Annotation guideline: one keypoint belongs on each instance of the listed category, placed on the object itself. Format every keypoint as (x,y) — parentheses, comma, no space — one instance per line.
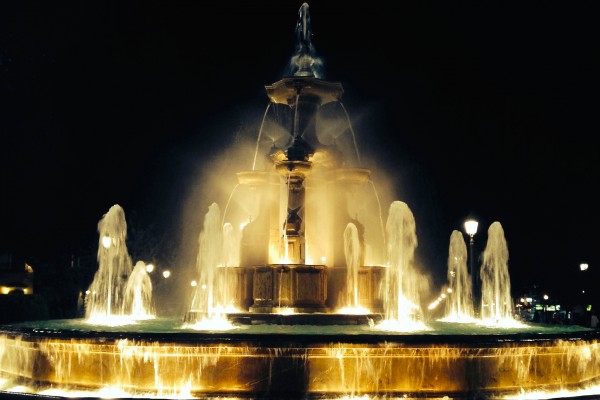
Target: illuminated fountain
(496,302)
(459,307)
(118,294)
(315,297)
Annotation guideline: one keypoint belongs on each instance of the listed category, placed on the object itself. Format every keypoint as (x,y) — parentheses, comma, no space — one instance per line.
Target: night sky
(482,109)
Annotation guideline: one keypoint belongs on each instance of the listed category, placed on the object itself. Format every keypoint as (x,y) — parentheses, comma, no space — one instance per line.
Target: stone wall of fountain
(211,365)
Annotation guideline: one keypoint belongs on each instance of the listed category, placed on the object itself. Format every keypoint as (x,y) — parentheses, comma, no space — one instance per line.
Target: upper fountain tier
(304,91)
(289,89)
(304,95)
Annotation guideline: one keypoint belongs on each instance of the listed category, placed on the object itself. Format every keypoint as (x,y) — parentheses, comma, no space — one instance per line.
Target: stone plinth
(289,287)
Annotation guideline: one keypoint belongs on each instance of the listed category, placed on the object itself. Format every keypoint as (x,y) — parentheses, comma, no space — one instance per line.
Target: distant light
(529,299)
(583,266)
(323,259)
(87,292)
(194,283)
(583,291)
(545,297)
(449,290)
(443,295)
(522,300)
(106,241)
(166,273)
(149,268)
(471,227)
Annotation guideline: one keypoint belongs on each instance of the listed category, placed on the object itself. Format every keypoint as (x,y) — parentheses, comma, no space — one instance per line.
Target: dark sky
(486,109)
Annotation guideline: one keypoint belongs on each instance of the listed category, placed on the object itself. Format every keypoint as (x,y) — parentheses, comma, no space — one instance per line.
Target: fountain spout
(304,61)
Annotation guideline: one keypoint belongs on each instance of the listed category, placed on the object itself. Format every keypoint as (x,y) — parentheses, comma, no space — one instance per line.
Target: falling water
(138,293)
(401,296)
(379,209)
(352,253)
(262,124)
(210,247)
(231,246)
(352,132)
(231,258)
(459,307)
(496,301)
(106,292)
(229,201)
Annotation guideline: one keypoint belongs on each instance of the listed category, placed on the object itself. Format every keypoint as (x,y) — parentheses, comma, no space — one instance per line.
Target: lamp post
(583,267)
(471,229)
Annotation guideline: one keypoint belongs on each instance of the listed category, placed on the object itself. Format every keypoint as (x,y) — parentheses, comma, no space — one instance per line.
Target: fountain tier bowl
(150,359)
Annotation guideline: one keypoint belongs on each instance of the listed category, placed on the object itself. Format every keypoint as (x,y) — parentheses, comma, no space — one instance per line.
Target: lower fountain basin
(297,361)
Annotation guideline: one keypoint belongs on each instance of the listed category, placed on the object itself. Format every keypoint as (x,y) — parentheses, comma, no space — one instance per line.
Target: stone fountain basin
(292,361)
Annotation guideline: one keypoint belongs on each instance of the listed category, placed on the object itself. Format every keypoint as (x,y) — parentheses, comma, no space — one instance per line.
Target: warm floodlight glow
(583,266)
(471,227)
(354,310)
(194,283)
(106,241)
(166,273)
(149,268)
(216,323)
(286,311)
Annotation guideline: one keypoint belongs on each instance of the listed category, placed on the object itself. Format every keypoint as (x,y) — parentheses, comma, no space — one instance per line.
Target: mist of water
(210,247)
(459,307)
(138,293)
(496,301)
(400,296)
(107,290)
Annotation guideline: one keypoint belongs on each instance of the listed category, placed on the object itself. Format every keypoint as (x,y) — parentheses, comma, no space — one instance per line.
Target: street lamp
(583,267)
(471,228)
